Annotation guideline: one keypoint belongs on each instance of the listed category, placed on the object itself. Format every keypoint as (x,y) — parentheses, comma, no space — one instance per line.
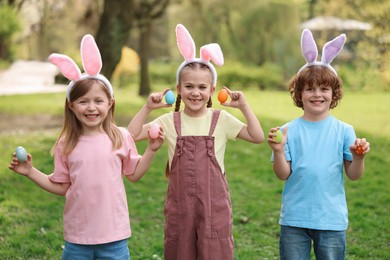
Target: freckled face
(195,89)
(316,101)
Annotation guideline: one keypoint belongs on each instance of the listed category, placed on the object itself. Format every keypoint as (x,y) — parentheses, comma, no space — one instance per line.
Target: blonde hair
(72,128)
(193,66)
(315,76)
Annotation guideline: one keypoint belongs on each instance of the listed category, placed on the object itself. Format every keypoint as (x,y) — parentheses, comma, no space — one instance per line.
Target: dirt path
(10,124)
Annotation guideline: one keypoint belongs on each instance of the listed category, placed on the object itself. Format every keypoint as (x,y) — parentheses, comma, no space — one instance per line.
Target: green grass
(31,219)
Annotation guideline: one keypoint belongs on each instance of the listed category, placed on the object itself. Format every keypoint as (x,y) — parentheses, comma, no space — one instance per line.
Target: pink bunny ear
(66,65)
(309,46)
(90,54)
(185,42)
(333,48)
(212,51)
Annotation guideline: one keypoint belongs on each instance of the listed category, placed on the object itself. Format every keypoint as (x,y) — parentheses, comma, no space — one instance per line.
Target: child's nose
(91,106)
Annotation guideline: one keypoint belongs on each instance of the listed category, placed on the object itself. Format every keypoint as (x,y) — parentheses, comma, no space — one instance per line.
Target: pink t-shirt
(96,209)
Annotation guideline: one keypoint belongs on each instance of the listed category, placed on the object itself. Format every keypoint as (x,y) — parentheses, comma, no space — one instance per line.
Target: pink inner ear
(309,46)
(212,51)
(185,42)
(90,54)
(66,65)
(333,48)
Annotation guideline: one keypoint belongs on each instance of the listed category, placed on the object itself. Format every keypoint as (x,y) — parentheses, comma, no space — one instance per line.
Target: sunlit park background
(261,44)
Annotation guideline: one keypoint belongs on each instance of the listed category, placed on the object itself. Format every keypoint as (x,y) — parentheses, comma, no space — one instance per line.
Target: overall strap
(177,122)
(214,121)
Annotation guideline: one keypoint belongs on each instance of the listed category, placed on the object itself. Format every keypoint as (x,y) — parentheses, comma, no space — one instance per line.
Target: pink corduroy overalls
(198,212)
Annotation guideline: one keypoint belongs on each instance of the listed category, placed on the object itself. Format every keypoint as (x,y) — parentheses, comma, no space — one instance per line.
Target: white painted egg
(154,130)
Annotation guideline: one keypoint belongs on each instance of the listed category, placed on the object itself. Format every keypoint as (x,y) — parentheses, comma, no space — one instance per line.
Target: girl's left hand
(361,147)
(237,98)
(155,143)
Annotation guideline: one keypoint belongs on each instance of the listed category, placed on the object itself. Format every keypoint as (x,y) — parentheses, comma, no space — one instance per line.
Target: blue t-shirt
(313,195)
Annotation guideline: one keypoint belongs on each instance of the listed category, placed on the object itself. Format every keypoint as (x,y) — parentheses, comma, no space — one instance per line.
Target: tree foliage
(372,46)
(9,25)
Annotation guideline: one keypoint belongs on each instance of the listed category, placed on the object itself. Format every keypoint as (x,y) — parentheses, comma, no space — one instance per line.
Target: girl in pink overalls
(198,213)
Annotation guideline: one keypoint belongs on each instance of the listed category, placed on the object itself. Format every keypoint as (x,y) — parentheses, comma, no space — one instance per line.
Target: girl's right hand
(23,168)
(155,100)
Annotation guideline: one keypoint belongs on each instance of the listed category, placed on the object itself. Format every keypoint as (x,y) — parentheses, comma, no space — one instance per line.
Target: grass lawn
(31,219)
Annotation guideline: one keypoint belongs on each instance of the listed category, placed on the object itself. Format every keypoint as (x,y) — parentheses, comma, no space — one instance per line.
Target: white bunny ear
(333,48)
(185,42)
(212,51)
(90,54)
(309,46)
(66,65)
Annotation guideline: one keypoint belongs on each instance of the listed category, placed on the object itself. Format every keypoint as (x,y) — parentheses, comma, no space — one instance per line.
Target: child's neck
(314,117)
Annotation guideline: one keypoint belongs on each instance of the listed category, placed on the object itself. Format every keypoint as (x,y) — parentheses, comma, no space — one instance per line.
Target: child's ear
(69,105)
(213,88)
(112,102)
(178,89)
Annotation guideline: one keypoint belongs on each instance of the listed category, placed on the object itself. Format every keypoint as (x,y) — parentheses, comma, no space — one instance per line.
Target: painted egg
(359,150)
(223,95)
(279,136)
(21,154)
(154,130)
(170,97)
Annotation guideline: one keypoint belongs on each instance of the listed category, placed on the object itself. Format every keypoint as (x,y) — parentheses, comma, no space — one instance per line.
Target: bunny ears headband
(208,52)
(92,64)
(330,50)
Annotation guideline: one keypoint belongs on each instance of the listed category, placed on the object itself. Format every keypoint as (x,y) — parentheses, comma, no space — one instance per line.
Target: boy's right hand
(155,100)
(23,168)
(274,144)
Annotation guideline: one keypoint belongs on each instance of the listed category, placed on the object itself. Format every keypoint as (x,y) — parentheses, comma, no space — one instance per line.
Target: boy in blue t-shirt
(315,150)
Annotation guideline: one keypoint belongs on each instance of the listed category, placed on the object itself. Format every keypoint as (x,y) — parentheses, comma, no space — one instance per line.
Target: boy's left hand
(360,147)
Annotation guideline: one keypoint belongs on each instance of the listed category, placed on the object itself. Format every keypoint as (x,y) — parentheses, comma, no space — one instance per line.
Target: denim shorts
(117,250)
(295,243)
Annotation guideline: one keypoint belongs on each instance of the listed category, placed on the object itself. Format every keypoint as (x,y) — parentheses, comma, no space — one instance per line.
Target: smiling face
(316,90)
(195,88)
(316,102)
(91,108)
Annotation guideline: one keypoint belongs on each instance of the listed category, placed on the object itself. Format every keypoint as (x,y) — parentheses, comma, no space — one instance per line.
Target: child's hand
(360,148)
(155,143)
(274,141)
(23,168)
(237,99)
(155,100)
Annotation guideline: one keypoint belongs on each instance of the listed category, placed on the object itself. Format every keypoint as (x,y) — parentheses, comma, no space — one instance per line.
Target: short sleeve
(349,139)
(61,170)
(231,124)
(132,157)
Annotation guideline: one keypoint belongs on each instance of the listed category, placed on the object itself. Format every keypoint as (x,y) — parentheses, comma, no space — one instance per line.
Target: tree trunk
(144,50)
(114,30)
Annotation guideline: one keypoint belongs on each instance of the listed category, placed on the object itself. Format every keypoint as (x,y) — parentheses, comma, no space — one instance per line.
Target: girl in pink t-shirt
(91,156)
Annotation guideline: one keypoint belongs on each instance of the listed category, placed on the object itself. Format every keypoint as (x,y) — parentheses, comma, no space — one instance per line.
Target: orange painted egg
(359,150)
(223,95)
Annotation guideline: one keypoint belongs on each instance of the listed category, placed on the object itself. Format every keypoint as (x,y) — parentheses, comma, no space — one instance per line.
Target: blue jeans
(295,243)
(117,250)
